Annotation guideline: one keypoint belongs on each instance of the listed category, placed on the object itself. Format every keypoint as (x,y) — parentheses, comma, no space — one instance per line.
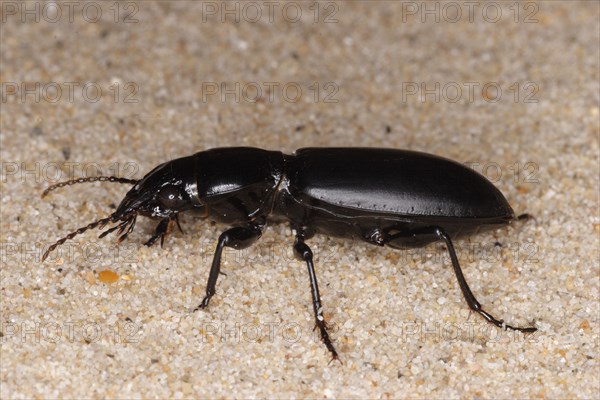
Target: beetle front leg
(304,253)
(237,238)
(469,297)
(159,232)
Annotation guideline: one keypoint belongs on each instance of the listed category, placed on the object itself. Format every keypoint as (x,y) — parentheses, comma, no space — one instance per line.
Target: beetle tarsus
(304,253)
(204,303)
(501,324)
(468,295)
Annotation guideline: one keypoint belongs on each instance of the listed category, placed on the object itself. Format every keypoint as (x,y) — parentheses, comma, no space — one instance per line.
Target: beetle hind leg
(468,295)
(304,253)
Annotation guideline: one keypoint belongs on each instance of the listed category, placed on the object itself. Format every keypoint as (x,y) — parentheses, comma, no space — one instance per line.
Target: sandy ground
(117,88)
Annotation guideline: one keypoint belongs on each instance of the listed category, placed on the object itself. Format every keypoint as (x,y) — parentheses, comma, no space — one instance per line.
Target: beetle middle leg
(304,253)
(238,238)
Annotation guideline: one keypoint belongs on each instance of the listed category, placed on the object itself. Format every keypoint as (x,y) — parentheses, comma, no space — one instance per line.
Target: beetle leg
(525,217)
(303,253)
(177,220)
(376,236)
(469,297)
(159,232)
(237,238)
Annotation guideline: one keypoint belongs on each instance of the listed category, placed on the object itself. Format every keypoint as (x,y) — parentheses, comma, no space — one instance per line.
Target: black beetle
(402,199)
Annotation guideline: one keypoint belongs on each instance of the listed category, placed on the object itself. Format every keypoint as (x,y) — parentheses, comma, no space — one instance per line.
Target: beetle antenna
(99,223)
(90,179)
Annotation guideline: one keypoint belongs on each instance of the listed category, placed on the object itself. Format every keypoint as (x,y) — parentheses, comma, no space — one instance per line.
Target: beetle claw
(204,303)
(335,357)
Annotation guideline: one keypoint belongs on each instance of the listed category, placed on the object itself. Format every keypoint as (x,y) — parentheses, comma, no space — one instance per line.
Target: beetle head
(164,192)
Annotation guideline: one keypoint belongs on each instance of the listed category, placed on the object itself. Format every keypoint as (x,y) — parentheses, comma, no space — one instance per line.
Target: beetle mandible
(397,198)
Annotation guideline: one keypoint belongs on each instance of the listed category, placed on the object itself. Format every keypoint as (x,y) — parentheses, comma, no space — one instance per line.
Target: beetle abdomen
(401,182)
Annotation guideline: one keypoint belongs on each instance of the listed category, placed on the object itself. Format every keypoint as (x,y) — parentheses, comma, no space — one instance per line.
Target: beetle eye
(169,196)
